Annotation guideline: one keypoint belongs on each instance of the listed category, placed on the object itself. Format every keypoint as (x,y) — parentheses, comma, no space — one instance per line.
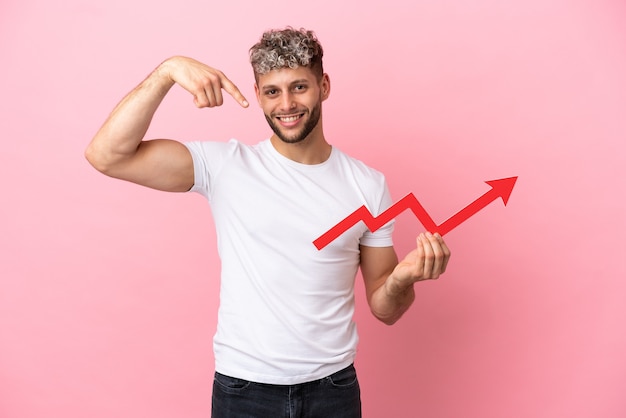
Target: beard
(299,136)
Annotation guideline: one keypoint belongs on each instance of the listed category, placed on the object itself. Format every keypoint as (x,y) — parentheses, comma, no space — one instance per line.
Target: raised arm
(119,150)
(389,284)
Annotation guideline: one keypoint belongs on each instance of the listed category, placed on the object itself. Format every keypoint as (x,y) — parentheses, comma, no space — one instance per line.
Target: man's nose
(287,101)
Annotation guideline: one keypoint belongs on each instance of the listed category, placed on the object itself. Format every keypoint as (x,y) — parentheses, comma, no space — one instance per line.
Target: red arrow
(499,188)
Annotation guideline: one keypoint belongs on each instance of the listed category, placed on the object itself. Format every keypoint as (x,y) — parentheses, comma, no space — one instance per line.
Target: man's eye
(270,92)
(300,87)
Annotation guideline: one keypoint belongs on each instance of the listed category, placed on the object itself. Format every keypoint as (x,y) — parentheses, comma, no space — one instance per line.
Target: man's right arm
(119,150)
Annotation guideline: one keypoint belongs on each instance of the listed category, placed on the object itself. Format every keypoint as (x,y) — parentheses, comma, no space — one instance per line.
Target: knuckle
(209,80)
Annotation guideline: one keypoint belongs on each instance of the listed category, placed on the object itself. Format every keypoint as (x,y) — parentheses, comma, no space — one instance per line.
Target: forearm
(123,131)
(390,301)
(389,284)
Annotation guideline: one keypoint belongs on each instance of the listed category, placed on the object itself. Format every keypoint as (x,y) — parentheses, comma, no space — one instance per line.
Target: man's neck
(311,150)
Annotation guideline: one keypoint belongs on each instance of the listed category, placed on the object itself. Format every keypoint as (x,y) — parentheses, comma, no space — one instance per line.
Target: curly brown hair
(287,48)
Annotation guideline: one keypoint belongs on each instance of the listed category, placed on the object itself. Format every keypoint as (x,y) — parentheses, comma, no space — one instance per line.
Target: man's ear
(257,92)
(325,86)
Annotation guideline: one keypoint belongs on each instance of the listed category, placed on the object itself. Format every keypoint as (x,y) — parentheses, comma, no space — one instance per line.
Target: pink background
(108,291)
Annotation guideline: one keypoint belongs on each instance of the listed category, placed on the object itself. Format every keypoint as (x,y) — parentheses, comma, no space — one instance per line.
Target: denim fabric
(335,396)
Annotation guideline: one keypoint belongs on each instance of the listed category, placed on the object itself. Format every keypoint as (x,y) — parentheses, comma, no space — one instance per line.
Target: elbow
(390,321)
(389,315)
(390,310)
(99,159)
(90,155)
(388,318)
(94,158)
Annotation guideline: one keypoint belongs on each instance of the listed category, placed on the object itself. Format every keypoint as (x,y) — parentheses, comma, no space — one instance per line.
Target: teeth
(289,118)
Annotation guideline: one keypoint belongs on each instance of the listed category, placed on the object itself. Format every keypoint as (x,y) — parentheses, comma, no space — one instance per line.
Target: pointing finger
(232,89)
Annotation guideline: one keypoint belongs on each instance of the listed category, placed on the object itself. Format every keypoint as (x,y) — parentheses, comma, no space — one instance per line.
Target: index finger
(232,89)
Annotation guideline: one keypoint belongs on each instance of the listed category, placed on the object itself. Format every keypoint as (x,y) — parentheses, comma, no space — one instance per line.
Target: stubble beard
(308,127)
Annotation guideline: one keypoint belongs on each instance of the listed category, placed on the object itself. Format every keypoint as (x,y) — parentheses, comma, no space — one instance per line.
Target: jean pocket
(230,384)
(345,378)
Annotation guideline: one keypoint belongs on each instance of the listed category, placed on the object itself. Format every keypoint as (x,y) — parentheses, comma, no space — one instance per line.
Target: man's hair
(287,48)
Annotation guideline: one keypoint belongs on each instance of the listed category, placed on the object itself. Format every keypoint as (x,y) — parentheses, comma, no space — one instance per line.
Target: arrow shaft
(374,223)
(500,188)
(334,232)
(465,213)
(407,202)
(421,214)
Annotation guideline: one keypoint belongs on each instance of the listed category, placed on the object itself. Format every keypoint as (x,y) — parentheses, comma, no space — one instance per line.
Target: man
(285,342)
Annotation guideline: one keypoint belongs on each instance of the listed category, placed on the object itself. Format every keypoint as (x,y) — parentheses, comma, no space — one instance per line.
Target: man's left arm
(389,283)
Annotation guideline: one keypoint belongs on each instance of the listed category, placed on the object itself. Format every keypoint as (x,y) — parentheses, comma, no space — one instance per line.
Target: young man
(285,340)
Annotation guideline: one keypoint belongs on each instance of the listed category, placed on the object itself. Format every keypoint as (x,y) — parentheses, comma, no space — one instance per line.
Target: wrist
(163,72)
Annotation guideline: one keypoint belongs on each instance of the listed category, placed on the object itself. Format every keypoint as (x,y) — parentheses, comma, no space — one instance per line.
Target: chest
(286,208)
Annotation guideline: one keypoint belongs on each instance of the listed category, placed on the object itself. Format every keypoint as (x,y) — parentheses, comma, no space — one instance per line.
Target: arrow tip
(503,187)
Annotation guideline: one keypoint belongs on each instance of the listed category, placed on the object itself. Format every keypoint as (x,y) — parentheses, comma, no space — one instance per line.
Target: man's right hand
(119,150)
(203,82)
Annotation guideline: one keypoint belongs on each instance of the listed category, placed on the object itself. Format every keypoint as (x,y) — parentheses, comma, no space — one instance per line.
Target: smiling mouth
(289,118)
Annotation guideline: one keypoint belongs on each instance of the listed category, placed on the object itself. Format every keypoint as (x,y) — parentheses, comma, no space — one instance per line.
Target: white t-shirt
(286,308)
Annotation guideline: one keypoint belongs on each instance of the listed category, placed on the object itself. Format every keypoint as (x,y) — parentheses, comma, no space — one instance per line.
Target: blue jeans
(335,396)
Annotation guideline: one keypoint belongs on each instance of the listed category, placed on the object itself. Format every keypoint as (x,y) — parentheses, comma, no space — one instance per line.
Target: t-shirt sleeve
(208,160)
(382,237)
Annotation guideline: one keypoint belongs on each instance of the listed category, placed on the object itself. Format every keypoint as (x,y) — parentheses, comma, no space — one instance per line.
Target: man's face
(291,100)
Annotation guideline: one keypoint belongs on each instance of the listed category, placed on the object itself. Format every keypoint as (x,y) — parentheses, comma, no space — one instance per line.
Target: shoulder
(359,168)
(215,146)
(219,151)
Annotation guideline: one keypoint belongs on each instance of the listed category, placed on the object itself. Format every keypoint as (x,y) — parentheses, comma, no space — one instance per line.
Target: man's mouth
(290,118)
